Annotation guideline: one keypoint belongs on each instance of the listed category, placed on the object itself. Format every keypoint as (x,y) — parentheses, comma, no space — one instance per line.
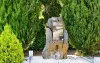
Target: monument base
(55,50)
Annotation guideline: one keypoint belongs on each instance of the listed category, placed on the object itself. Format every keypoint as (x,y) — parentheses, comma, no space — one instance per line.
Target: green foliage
(33,7)
(52,9)
(39,43)
(22,15)
(45,2)
(11,50)
(82,19)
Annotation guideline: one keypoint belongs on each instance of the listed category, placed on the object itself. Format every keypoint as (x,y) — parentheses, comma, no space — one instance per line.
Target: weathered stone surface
(56,39)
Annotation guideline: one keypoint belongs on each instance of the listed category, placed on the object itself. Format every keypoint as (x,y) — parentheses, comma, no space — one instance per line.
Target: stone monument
(56,39)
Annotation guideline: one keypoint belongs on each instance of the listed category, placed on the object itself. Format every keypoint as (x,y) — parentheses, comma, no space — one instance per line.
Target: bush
(23,16)
(52,9)
(40,40)
(10,48)
(82,19)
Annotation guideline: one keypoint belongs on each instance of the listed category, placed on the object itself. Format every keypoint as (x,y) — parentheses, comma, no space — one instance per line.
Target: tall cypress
(23,16)
(52,8)
(82,20)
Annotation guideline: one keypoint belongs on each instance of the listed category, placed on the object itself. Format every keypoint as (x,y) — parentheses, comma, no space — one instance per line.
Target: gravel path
(70,59)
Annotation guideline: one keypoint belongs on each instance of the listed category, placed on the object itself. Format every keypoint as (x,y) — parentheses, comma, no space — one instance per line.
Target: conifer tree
(22,15)
(82,20)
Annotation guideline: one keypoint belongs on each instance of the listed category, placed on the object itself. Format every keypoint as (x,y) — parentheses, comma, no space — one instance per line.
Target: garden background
(24,21)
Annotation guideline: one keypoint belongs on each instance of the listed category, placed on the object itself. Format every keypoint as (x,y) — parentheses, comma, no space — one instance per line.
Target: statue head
(56,22)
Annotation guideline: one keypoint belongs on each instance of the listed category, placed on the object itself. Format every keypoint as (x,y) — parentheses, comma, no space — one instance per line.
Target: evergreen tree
(22,15)
(52,9)
(11,50)
(82,19)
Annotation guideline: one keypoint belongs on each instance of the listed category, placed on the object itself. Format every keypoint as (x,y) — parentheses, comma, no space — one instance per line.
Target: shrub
(10,48)
(40,40)
(23,16)
(82,19)
(52,9)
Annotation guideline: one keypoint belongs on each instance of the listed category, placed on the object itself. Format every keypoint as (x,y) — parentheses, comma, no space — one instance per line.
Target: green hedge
(40,40)
(82,20)
(23,16)
(10,48)
(52,8)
